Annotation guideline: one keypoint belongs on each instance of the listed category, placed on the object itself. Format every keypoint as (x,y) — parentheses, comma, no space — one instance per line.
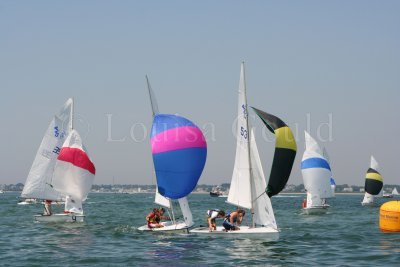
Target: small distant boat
(317,177)
(387,195)
(217,192)
(179,154)
(373,183)
(27,201)
(1,191)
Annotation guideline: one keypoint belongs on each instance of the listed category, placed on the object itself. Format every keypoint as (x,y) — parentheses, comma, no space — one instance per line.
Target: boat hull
(169,227)
(215,194)
(316,210)
(253,232)
(60,218)
(370,204)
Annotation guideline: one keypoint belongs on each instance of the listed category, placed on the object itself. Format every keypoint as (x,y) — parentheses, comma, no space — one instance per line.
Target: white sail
(159,199)
(333,183)
(326,155)
(374,164)
(240,190)
(368,198)
(38,183)
(74,171)
(316,171)
(262,207)
(187,214)
(395,192)
(73,205)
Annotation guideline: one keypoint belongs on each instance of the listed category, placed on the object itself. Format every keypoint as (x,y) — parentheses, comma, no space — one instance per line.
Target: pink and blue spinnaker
(179,154)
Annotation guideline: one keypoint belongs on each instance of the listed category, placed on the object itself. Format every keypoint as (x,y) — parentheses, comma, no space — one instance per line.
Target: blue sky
(305,61)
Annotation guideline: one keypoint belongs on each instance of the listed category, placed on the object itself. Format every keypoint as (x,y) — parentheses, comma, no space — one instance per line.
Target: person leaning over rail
(233,220)
(212,215)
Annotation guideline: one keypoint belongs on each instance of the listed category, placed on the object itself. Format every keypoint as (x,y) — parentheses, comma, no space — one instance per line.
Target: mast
(153,103)
(248,136)
(154,110)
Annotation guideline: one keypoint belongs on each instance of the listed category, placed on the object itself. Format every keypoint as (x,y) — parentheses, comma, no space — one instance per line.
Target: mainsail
(74,172)
(285,152)
(39,181)
(159,199)
(240,189)
(315,170)
(179,154)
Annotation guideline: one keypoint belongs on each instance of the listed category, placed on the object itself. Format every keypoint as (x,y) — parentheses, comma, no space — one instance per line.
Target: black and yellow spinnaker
(373,182)
(285,152)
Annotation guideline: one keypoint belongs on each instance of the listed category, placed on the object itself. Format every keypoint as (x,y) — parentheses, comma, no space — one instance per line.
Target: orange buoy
(389,216)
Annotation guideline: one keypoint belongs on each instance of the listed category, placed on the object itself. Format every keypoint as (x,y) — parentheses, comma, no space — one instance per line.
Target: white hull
(316,209)
(60,218)
(169,227)
(244,230)
(368,204)
(25,203)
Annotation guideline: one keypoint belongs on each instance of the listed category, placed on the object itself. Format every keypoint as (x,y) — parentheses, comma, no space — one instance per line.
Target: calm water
(348,235)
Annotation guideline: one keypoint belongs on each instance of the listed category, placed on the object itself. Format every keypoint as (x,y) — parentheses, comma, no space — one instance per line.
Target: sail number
(59,134)
(243,132)
(244,111)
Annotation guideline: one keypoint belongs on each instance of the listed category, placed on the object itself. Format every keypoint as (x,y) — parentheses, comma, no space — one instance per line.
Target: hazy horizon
(331,68)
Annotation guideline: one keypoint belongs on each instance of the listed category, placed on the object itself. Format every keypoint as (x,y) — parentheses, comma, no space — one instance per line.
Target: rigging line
(259,196)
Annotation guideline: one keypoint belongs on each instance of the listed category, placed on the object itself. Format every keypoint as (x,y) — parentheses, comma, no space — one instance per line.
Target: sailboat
(61,170)
(373,183)
(395,192)
(179,155)
(248,188)
(316,176)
